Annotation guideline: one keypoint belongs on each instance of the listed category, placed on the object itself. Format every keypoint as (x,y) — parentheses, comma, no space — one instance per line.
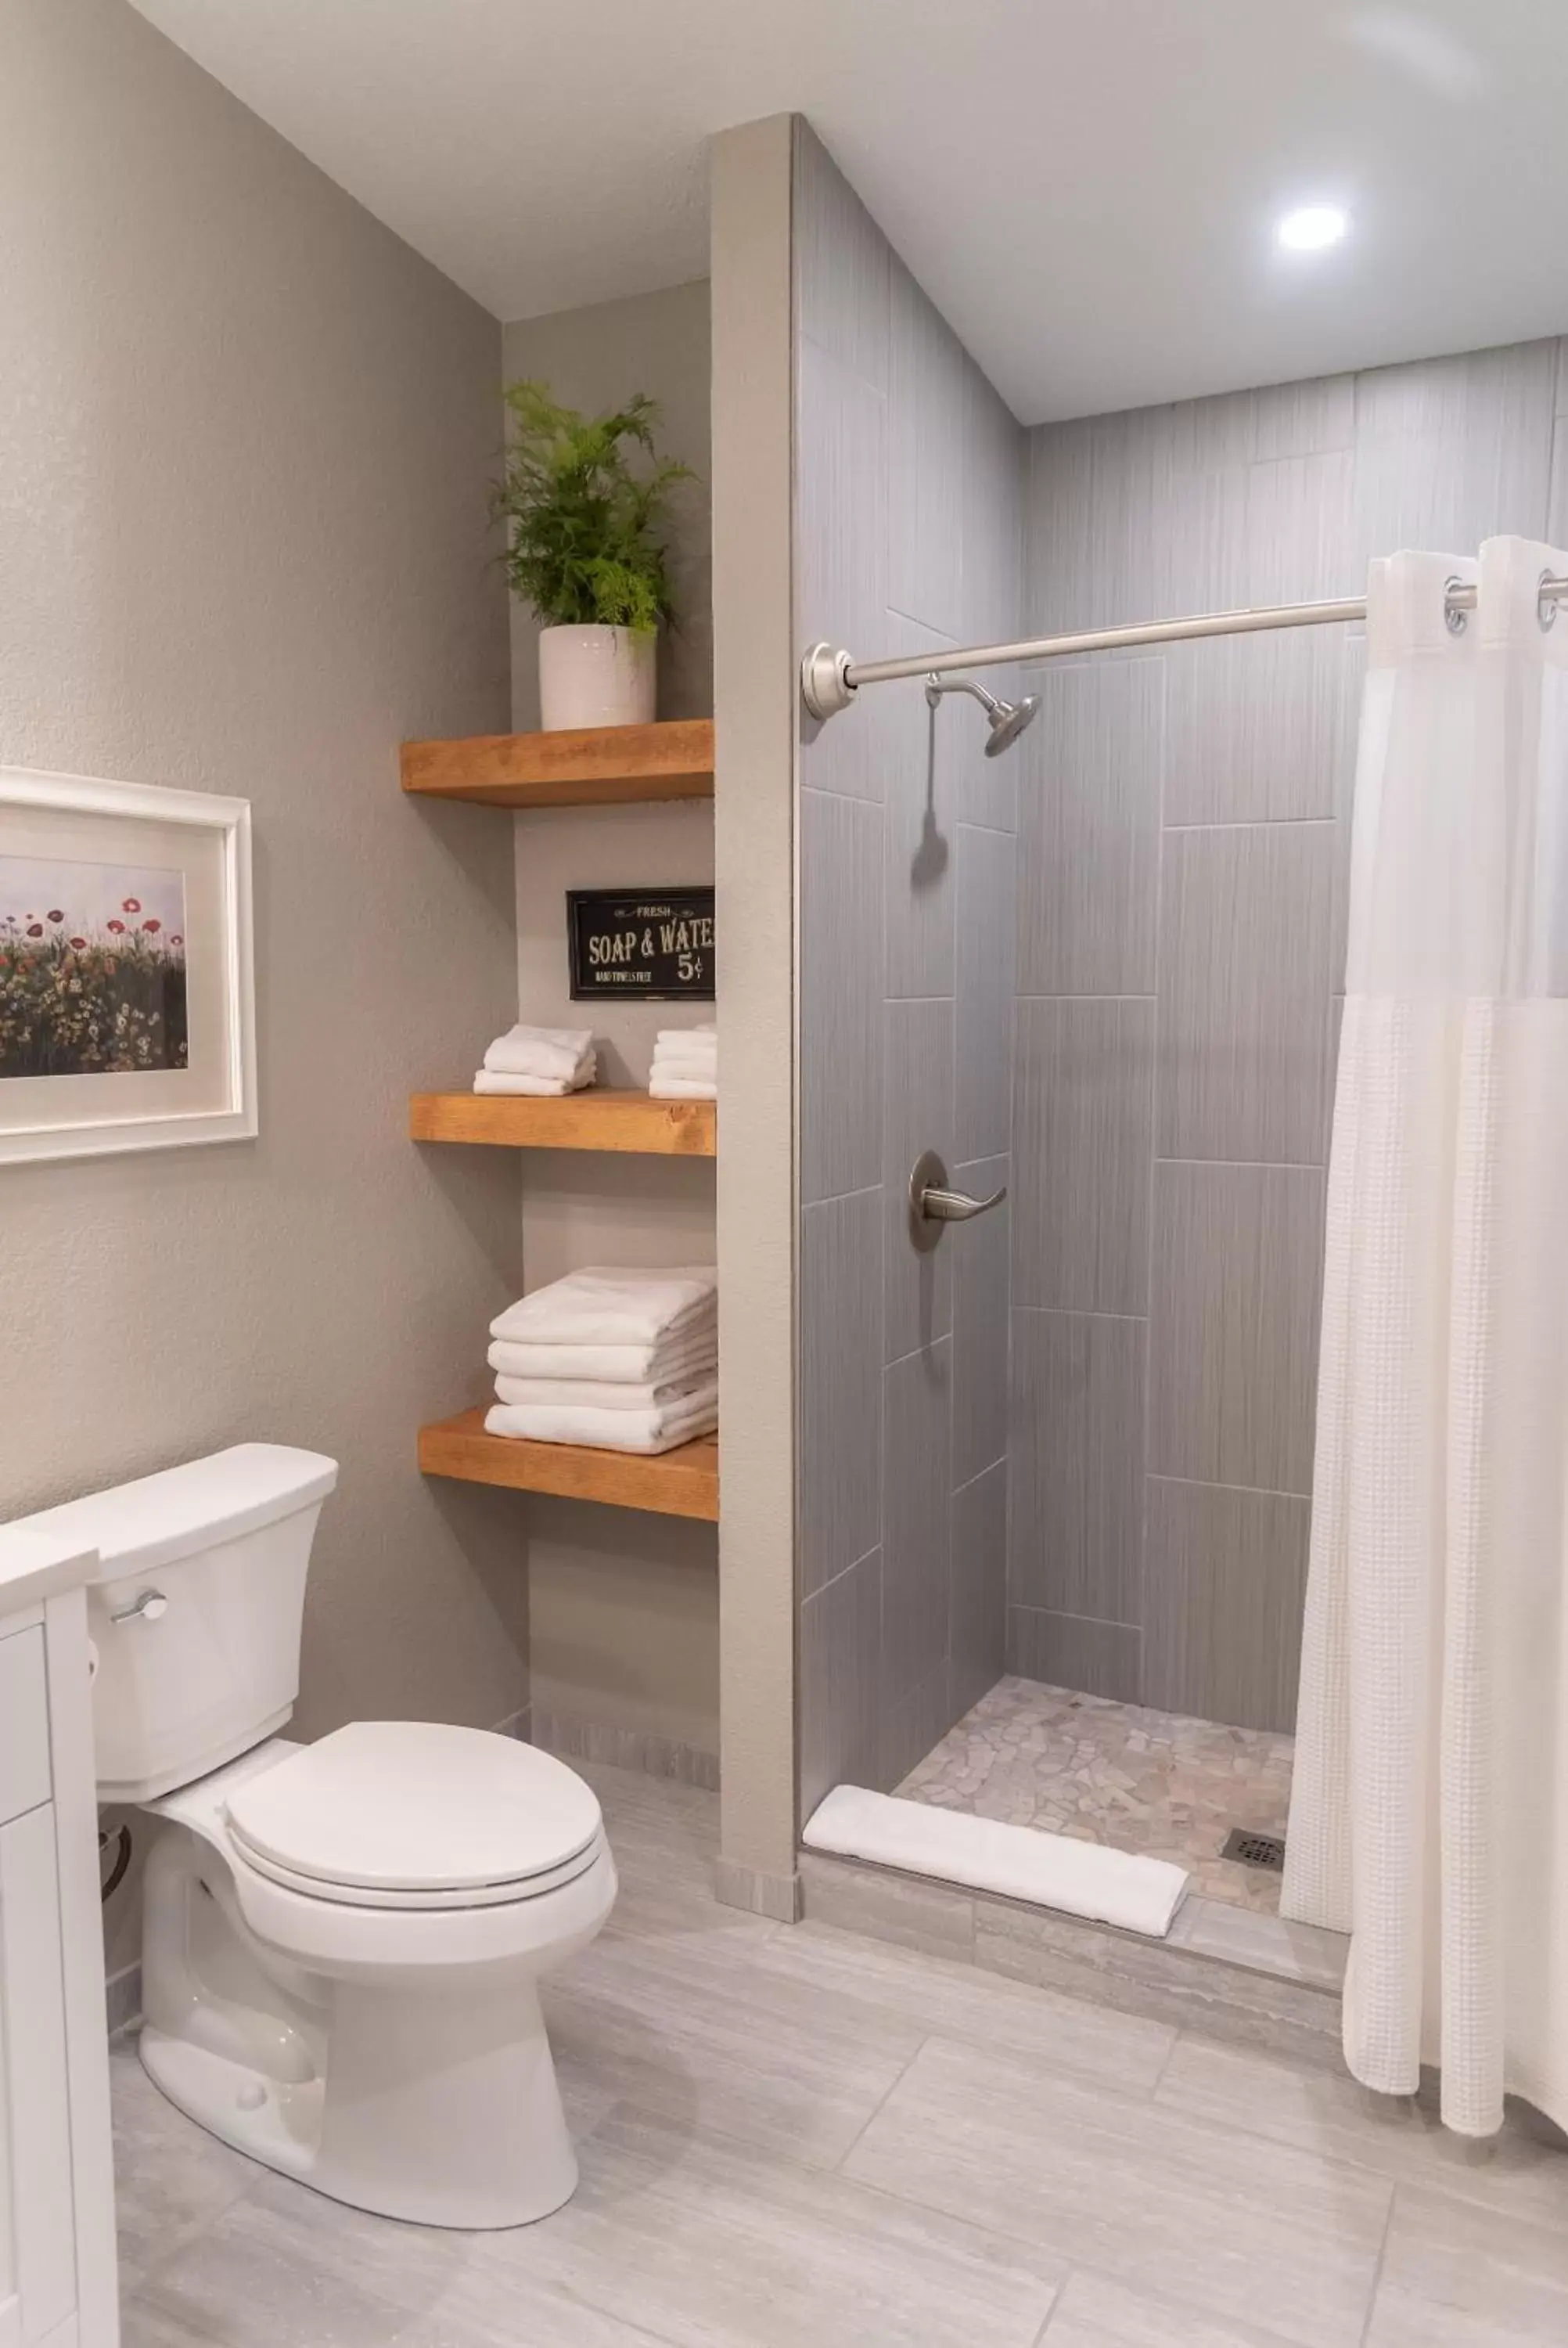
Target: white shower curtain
(1430,1812)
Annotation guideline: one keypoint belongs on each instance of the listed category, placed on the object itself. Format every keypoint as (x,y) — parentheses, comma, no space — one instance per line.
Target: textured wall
(623,1608)
(244,454)
(910,489)
(1183,840)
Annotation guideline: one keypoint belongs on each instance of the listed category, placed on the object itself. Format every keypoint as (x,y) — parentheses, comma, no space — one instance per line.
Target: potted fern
(585,548)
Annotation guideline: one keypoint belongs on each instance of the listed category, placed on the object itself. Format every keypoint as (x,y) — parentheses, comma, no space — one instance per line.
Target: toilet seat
(415,1815)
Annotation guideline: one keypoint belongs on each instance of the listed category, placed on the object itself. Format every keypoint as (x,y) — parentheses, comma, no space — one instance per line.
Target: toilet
(341,1943)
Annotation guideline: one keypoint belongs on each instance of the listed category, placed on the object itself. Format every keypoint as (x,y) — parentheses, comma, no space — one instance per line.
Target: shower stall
(1055,1469)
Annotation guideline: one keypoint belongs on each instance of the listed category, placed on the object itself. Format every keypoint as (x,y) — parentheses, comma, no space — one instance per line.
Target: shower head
(1007,718)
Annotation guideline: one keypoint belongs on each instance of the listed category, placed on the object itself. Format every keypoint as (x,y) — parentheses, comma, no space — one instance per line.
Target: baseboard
(122,1999)
(624,1748)
(778,1896)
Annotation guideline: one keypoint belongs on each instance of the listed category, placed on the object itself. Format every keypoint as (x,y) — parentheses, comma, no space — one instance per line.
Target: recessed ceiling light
(1312,228)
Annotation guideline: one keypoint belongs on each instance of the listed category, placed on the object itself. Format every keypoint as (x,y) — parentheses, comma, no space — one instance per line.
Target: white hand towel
(706,1031)
(661,1363)
(662,1087)
(685,1064)
(602,1394)
(525,1051)
(602,1430)
(607,1305)
(496,1081)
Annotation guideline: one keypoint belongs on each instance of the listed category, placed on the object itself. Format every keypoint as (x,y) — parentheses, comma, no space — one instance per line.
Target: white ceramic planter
(596,676)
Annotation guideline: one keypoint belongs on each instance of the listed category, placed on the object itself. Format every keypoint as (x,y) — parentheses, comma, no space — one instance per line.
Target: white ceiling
(1087,187)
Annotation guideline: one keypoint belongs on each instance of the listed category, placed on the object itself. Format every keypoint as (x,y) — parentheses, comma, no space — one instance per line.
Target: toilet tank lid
(162,1518)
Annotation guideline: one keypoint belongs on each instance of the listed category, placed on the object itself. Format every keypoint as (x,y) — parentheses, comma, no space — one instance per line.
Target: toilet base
(439,2112)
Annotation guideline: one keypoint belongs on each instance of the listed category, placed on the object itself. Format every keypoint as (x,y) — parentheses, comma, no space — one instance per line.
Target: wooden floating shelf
(609,765)
(626,1121)
(683,1483)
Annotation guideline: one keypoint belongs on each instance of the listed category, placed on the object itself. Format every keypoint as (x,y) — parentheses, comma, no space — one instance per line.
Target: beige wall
(244,441)
(624,1607)
(757,701)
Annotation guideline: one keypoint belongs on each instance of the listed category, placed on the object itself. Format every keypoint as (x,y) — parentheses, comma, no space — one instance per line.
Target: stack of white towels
(624,1361)
(685,1064)
(543,1060)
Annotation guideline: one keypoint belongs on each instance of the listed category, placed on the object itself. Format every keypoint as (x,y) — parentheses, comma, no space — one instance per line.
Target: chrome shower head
(1007,718)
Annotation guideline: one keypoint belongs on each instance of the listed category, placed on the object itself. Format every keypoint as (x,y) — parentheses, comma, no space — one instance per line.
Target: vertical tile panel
(920,786)
(1082,1155)
(1067,1651)
(1300,543)
(1058,538)
(840,1384)
(1225,1588)
(977,1603)
(980,1254)
(840,1640)
(1089,830)
(986,897)
(841,263)
(917,1412)
(1305,419)
(1246,926)
(1076,1457)
(1451,451)
(1259,729)
(1233,1340)
(918,1290)
(841,490)
(841,974)
(913,1725)
(927,413)
(995,471)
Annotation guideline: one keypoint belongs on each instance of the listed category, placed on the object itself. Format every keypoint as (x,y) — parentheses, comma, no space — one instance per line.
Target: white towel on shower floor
(691,1393)
(662,1362)
(1081,1879)
(609,1305)
(604,1430)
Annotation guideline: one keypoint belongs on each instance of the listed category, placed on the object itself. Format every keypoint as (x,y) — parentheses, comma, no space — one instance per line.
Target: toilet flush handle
(146,1606)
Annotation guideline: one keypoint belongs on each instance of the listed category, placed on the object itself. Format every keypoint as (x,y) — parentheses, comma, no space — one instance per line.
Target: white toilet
(342,1942)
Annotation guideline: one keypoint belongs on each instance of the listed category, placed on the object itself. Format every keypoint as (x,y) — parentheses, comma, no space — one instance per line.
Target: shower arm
(830,678)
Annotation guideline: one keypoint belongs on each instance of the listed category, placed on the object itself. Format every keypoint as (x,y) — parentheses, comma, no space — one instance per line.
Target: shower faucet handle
(933,1205)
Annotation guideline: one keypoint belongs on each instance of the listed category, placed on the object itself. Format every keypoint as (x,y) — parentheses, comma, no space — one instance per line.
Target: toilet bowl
(342,1942)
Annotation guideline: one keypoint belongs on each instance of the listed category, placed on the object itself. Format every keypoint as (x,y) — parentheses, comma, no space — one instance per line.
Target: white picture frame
(52,822)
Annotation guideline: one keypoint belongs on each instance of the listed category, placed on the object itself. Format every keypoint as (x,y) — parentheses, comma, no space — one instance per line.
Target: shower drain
(1255,1849)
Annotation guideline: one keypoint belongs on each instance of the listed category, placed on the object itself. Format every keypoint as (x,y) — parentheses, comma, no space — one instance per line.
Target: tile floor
(797,2139)
(1117,1773)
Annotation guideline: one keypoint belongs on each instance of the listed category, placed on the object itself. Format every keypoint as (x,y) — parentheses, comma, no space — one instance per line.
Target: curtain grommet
(1545,602)
(1455,619)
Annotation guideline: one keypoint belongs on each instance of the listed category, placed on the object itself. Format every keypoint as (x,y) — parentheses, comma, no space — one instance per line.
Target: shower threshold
(1146,1783)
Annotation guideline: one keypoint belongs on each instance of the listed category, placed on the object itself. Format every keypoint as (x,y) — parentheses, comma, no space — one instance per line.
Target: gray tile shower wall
(911,478)
(1183,840)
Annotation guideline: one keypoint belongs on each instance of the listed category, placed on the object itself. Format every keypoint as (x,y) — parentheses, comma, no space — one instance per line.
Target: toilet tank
(195,1609)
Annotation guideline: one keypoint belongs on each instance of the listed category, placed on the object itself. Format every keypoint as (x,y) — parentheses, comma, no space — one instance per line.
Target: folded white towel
(601,1393)
(684,1063)
(494,1080)
(602,1430)
(525,1051)
(663,1087)
(607,1305)
(661,1362)
(707,1032)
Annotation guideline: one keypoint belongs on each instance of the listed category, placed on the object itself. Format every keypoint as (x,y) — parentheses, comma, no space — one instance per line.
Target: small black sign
(654,943)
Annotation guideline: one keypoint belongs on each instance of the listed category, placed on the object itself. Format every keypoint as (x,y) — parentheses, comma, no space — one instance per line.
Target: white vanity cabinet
(58,2283)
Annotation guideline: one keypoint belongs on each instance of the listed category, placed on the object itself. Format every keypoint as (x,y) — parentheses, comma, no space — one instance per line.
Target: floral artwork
(92,968)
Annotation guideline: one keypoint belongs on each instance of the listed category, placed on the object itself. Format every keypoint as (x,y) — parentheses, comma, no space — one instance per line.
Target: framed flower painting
(127,989)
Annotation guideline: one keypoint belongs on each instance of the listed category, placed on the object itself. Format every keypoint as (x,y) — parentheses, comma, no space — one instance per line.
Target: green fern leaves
(585,543)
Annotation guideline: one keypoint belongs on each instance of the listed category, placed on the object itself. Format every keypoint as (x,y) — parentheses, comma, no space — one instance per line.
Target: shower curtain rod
(830,679)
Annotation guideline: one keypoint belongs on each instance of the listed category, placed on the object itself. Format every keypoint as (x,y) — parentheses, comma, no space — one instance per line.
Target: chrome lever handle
(957,1206)
(933,1205)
